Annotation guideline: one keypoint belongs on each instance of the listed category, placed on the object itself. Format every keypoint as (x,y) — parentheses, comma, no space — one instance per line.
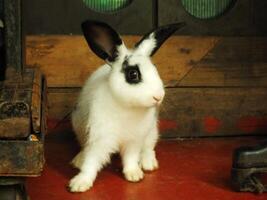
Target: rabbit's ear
(153,40)
(102,39)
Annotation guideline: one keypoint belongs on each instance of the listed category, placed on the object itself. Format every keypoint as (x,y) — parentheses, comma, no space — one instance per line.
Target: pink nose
(157,98)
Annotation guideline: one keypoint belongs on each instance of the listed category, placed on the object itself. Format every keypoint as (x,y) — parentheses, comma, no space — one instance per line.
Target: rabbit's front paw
(134,175)
(149,163)
(80,183)
(77,161)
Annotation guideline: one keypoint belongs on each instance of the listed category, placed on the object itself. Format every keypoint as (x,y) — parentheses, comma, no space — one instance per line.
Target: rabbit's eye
(133,75)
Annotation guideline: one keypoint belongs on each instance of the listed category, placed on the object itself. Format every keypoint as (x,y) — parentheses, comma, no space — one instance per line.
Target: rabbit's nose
(157,98)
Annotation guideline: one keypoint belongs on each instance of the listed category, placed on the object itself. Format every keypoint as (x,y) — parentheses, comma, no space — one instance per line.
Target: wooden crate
(22,124)
(213,84)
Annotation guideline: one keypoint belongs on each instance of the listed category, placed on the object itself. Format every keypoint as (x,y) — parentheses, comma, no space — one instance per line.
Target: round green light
(106,5)
(207,9)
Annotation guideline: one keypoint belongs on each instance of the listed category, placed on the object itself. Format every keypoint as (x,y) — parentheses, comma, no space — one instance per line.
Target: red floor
(189,169)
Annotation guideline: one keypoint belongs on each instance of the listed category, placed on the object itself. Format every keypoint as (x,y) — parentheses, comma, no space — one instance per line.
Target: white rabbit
(117,109)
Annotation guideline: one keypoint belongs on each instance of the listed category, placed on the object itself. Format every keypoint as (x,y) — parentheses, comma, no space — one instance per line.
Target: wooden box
(22,123)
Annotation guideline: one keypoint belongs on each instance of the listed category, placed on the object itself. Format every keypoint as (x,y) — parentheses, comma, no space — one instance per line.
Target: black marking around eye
(131,73)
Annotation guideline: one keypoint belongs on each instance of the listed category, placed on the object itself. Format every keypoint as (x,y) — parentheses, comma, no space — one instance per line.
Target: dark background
(246,17)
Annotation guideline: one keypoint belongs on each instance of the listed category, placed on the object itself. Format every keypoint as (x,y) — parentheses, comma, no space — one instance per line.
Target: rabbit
(117,110)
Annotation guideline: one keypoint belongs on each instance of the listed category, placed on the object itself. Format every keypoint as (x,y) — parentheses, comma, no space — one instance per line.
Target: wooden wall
(215,85)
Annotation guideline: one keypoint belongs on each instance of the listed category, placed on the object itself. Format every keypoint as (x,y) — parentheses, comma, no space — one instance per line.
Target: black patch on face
(131,73)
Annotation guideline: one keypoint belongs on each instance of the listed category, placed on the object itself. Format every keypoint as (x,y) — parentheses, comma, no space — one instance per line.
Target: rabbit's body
(98,109)
(117,109)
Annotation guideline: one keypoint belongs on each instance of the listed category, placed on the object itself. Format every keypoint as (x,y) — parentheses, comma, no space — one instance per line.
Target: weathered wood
(239,61)
(25,157)
(61,102)
(67,61)
(214,111)
(189,112)
(18,80)
(21,158)
(14,113)
(36,100)
(20,103)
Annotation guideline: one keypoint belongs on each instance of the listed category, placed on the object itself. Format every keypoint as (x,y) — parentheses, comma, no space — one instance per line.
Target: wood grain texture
(36,101)
(20,103)
(21,158)
(239,61)
(67,61)
(215,111)
(61,102)
(15,101)
(25,157)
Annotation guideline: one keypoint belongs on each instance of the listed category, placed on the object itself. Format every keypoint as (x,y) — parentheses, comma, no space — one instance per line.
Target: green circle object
(207,9)
(107,6)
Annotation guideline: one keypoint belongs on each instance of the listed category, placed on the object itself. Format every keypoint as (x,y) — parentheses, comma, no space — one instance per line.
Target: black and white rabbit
(117,110)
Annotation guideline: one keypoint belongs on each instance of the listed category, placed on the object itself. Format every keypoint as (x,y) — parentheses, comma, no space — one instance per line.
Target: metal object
(13,189)
(2,53)
(14,37)
(207,9)
(248,164)
(107,6)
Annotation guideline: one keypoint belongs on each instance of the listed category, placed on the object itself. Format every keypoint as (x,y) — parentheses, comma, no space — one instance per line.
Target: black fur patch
(102,39)
(131,73)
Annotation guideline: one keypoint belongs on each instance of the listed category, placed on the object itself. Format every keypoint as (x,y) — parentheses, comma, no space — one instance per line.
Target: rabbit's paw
(149,163)
(80,183)
(77,161)
(134,175)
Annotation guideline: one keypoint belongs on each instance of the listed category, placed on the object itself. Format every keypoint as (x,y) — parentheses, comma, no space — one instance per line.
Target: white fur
(147,46)
(114,116)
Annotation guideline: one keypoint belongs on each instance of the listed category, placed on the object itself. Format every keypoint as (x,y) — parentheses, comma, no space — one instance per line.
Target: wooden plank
(14,113)
(36,101)
(240,61)
(20,104)
(214,111)
(193,112)
(21,158)
(61,102)
(67,61)
(25,157)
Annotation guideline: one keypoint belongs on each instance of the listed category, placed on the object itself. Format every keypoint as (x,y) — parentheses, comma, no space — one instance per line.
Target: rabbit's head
(133,79)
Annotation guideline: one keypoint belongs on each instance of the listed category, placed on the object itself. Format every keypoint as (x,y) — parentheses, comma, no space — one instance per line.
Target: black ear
(102,39)
(153,40)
